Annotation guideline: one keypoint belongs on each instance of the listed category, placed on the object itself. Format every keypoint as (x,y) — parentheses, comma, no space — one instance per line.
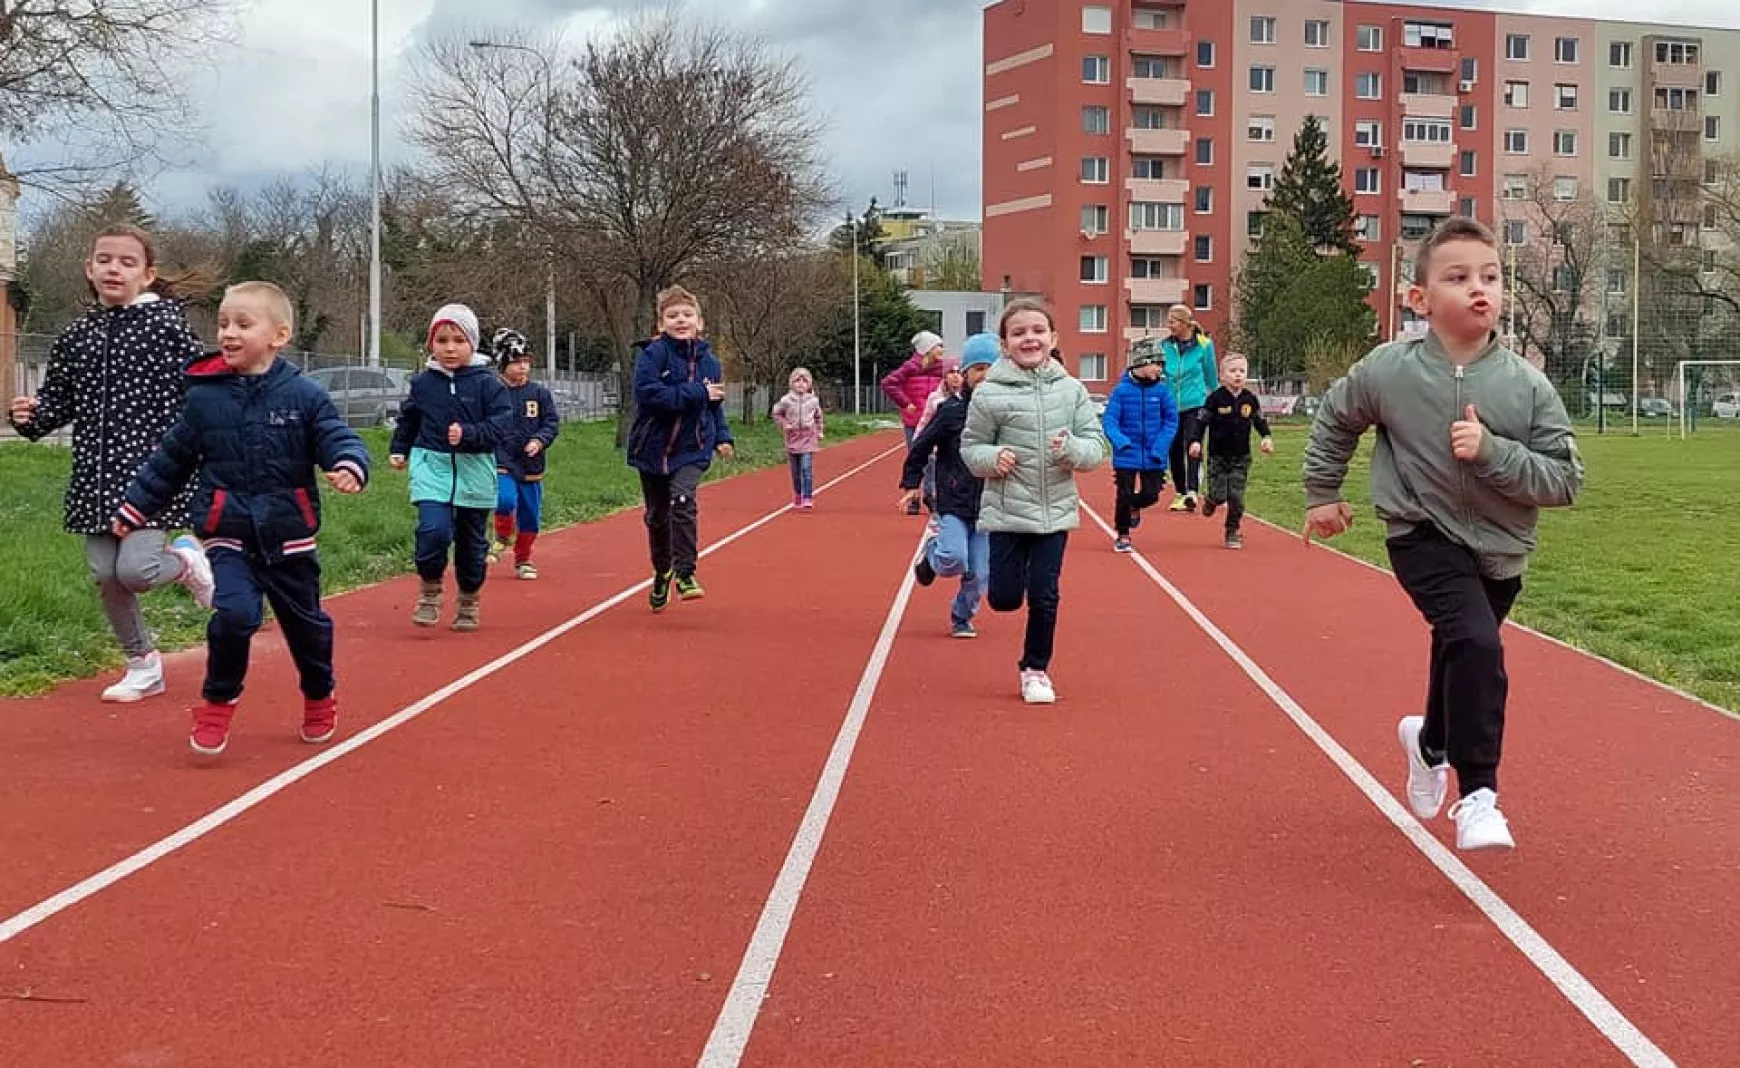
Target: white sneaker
(1036,688)
(196,573)
(144,679)
(1479,823)
(1426,785)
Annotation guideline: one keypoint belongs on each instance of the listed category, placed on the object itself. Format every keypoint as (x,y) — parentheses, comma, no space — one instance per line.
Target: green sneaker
(689,588)
(660,596)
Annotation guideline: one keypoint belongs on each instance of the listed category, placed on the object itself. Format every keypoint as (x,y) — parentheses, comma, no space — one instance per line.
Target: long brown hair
(189,286)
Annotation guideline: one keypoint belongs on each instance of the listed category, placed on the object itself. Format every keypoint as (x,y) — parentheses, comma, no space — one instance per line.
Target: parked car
(1726,406)
(364,396)
(1655,408)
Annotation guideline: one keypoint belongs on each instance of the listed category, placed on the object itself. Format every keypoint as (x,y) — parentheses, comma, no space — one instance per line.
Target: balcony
(1166,291)
(1166,92)
(1427,201)
(1427,105)
(1432,157)
(1173,41)
(1157,242)
(1158,142)
(1158,190)
(1676,120)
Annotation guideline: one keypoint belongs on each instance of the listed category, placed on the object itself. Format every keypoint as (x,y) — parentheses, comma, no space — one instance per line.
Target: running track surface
(567,860)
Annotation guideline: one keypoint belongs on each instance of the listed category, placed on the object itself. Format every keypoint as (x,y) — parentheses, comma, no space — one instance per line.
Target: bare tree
(670,145)
(953,264)
(101,73)
(1558,274)
(771,311)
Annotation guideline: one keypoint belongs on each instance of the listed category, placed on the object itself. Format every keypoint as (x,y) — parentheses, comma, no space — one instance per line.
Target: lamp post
(549,241)
(374,338)
(857,335)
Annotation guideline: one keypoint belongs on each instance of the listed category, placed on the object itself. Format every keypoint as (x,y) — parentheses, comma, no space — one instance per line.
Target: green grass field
(1643,570)
(51,627)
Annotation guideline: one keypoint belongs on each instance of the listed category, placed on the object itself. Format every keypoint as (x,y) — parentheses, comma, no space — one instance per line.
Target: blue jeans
(960,548)
(466,530)
(522,500)
(803,473)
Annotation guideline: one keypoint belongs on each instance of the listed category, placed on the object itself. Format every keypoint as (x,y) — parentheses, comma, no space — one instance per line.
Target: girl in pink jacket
(799,414)
(909,386)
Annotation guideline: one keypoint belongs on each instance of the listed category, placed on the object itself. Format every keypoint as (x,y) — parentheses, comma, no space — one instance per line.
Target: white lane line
(1579,991)
(737,1017)
(14,926)
(1526,629)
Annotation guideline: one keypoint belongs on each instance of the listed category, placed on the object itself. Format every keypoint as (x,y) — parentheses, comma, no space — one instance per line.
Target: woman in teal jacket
(1192,372)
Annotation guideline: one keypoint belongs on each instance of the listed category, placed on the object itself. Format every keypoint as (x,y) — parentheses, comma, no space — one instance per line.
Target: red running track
(564,862)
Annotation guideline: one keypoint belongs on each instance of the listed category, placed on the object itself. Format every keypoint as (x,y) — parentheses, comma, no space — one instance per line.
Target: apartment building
(1129,144)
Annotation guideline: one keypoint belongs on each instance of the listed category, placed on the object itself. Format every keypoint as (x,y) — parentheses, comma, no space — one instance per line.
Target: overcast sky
(896,80)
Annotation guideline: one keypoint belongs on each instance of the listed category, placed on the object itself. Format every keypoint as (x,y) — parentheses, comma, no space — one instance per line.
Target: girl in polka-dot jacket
(116,376)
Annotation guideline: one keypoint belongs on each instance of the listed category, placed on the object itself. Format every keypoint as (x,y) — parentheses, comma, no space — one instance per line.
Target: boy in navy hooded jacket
(679,425)
(519,459)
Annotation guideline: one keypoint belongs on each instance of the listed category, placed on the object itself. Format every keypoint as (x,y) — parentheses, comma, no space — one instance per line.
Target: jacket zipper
(452,449)
(103,422)
(1462,471)
(1044,459)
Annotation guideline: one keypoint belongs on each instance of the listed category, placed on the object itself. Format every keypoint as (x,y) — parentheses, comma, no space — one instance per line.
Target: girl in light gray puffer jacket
(1030,428)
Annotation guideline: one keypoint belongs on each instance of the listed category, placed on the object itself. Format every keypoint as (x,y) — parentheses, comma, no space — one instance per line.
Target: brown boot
(428,610)
(466,616)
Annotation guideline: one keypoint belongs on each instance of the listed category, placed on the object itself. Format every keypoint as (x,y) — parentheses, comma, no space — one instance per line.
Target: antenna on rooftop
(900,188)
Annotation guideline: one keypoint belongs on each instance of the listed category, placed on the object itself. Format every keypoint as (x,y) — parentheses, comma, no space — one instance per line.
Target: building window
(975,323)
(1096,120)
(1516,142)
(1262,79)
(1202,296)
(1095,170)
(1147,267)
(1516,187)
(1261,128)
(1516,94)
(1147,18)
(1619,190)
(1093,319)
(1618,280)
(1428,35)
(1096,70)
(1095,219)
(1093,269)
(1619,55)
(1712,128)
(1564,50)
(1467,169)
(1712,172)
(1470,69)
(1205,54)
(1564,142)
(1426,131)
(1204,200)
(1204,248)
(1369,38)
(1712,83)
(1148,215)
(1316,33)
(1567,97)
(1316,83)
(1619,146)
(1676,99)
(1148,117)
(1262,29)
(1152,67)
(1260,177)
(1564,189)
(1368,86)
(1148,168)
(1254,223)
(1368,134)
(1465,208)
(1619,101)
(1516,232)
(1205,102)
(1676,53)
(1516,46)
(1469,117)
(1367,180)
(1205,151)
(1093,367)
(1096,20)
(1367,227)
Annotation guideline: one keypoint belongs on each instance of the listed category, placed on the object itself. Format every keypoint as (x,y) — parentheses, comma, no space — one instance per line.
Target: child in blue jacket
(679,425)
(1141,421)
(253,431)
(449,426)
(519,459)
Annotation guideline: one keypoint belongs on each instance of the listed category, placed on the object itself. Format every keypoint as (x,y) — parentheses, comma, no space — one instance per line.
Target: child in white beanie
(449,425)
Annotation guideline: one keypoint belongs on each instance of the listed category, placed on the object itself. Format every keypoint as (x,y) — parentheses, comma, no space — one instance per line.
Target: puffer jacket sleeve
(54,400)
(1112,420)
(979,446)
(1085,448)
(171,467)
(336,446)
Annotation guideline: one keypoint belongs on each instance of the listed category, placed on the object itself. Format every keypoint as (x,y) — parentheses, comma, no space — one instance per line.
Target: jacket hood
(1007,372)
(212,365)
(478,360)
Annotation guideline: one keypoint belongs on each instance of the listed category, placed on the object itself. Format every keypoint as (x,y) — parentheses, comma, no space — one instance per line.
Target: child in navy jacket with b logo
(253,431)
(519,458)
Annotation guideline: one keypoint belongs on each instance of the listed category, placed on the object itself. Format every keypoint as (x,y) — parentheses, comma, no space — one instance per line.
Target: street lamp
(857,343)
(374,340)
(549,240)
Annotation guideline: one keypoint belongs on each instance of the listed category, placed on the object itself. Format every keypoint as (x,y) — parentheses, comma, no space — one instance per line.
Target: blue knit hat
(980,348)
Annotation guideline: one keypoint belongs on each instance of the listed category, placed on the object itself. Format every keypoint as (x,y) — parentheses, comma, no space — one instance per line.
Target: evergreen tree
(120,205)
(869,231)
(1309,190)
(1300,308)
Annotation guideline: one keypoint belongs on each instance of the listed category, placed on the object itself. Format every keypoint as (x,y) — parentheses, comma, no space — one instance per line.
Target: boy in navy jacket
(679,424)
(519,458)
(1140,420)
(253,431)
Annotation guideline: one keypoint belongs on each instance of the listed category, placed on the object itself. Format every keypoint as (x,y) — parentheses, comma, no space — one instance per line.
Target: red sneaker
(211,728)
(319,720)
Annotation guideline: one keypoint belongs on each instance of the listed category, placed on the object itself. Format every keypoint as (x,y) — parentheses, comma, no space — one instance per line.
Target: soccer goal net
(1706,389)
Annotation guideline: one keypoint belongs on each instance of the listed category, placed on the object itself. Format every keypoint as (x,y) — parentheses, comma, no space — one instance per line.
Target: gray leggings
(123,569)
